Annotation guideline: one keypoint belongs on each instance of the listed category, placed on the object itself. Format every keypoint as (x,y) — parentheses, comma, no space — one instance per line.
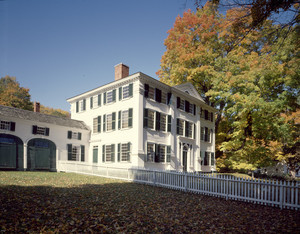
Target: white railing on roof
(283,194)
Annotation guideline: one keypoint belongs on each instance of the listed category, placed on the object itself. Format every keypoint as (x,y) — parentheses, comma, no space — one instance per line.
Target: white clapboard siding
(283,194)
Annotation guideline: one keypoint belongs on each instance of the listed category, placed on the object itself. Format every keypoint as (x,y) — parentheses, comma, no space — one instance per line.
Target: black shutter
(69,134)
(99,124)
(79,136)
(187,125)
(130,113)
(113,121)
(47,132)
(119,152)
(156,158)
(130,90)
(91,102)
(206,134)
(112,154)
(99,100)
(82,153)
(12,126)
(212,117)
(84,104)
(178,102)
(104,98)
(145,118)
(34,129)
(120,93)
(114,95)
(194,109)
(69,146)
(157,125)
(77,107)
(169,123)
(194,131)
(187,106)
(169,98)
(146,90)
(177,131)
(103,153)
(206,114)
(119,120)
(157,95)
(104,123)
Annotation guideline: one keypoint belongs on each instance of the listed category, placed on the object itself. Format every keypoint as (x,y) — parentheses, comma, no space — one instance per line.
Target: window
(74,135)
(124,152)
(189,129)
(126,117)
(36,130)
(150,152)
(149,118)
(126,91)
(158,153)
(82,105)
(76,153)
(151,93)
(206,134)
(111,121)
(97,124)
(110,153)
(207,158)
(7,125)
(109,97)
(95,154)
(180,126)
(163,122)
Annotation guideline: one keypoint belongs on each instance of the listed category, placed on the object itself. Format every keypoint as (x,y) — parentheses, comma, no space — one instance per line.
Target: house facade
(137,121)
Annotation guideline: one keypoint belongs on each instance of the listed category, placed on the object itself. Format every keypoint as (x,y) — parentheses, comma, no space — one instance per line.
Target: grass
(44,202)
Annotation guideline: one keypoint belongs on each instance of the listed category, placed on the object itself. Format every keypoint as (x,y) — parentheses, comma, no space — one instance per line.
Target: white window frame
(5,125)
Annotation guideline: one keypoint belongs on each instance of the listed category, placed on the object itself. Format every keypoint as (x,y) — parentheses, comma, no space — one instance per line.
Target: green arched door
(41,155)
(11,152)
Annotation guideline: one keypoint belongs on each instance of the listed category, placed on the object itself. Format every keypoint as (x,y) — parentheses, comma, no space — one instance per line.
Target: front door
(184,158)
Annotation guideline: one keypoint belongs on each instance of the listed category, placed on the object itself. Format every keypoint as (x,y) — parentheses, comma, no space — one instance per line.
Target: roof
(39,117)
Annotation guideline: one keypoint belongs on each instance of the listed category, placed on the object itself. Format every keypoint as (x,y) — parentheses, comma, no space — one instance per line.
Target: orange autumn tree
(250,77)
(11,94)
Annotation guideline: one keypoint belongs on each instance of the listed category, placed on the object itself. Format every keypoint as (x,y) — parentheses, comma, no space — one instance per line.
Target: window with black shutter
(69,134)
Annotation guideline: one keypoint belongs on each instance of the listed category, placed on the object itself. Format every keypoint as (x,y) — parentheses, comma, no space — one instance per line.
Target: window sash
(125,152)
(95,154)
(111,96)
(125,117)
(5,125)
(163,122)
(150,118)
(151,93)
(150,152)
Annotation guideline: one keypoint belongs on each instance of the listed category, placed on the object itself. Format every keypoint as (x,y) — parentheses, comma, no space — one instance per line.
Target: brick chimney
(36,107)
(121,71)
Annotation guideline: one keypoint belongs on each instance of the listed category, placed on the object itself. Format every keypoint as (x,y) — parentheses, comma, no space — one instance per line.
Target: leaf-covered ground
(62,203)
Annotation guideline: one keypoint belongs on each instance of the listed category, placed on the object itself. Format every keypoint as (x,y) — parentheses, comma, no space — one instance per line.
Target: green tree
(250,83)
(11,94)
(55,112)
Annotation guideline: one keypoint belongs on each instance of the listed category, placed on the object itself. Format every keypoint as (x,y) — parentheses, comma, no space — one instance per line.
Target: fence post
(281,195)
(185,182)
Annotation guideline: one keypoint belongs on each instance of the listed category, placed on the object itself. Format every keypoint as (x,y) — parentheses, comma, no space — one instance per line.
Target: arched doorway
(41,155)
(11,152)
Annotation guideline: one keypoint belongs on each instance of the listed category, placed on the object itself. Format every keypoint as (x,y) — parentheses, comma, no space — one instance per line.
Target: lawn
(40,202)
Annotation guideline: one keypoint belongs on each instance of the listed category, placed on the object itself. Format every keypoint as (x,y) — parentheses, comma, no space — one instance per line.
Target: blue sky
(61,48)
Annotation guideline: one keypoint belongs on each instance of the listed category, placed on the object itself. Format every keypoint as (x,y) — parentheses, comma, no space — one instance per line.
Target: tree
(251,83)
(55,112)
(261,10)
(11,94)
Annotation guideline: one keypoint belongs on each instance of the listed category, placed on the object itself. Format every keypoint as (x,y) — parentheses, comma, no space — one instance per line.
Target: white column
(25,157)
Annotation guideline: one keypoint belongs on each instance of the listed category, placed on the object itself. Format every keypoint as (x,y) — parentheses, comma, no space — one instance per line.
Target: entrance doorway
(11,152)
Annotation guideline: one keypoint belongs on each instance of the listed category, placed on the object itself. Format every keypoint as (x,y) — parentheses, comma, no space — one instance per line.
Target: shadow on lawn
(129,207)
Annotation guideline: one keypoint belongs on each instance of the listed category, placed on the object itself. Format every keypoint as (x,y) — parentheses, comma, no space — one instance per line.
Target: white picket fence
(283,194)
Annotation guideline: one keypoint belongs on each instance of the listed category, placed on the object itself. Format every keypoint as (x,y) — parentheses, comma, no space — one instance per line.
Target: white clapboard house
(135,121)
